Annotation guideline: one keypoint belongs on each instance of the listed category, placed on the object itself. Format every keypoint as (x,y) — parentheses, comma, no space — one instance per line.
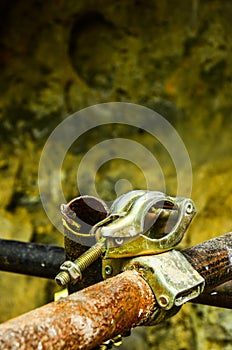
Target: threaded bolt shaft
(82,262)
(63,278)
(89,257)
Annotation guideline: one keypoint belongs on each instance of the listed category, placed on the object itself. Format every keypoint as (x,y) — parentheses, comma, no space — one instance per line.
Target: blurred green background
(175,57)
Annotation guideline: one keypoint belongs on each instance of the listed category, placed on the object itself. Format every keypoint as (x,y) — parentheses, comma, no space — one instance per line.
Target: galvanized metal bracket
(172,278)
(140,223)
(143,223)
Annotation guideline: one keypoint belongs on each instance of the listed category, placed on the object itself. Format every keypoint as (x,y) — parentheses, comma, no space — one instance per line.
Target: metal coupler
(139,223)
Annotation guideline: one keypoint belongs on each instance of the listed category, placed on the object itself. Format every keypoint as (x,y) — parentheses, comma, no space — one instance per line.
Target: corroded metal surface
(84,319)
(212,259)
(87,318)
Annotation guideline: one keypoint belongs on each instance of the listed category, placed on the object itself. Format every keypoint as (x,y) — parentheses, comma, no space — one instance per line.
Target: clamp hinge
(172,278)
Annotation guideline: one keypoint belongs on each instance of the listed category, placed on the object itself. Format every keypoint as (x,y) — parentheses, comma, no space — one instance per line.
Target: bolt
(189,208)
(63,278)
(163,301)
(89,256)
(108,270)
(119,241)
(86,259)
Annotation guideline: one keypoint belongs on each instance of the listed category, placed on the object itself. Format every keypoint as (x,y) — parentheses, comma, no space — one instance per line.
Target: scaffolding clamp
(172,278)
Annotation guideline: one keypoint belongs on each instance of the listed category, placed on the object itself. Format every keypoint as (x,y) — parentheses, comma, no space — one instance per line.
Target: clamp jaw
(139,231)
(144,223)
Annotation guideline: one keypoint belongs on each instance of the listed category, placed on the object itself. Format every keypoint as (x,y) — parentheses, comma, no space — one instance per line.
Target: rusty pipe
(44,260)
(84,319)
(87,318)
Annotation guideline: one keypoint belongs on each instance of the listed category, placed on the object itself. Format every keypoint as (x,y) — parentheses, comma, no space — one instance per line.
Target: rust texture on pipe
(220,296)
(84,319)
(87,318)
(213,260)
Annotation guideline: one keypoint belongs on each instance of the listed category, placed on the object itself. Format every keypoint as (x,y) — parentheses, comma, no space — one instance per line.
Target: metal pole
(213,260)
(220,296)
(87,318)
(30,258)
(84,319)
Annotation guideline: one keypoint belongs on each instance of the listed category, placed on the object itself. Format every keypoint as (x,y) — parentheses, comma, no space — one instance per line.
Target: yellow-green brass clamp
(140,223)
(143,223)
(172,278)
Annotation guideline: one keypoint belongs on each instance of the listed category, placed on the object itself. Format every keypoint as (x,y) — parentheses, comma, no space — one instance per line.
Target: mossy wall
(57,57)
